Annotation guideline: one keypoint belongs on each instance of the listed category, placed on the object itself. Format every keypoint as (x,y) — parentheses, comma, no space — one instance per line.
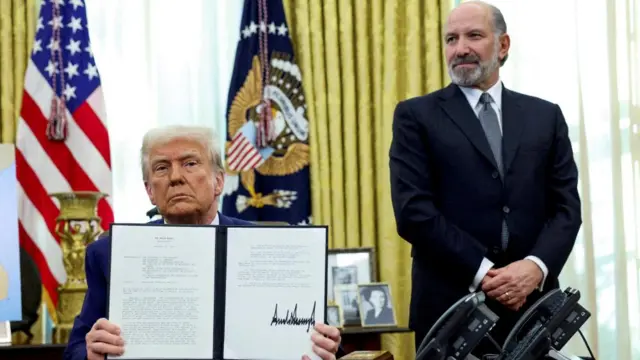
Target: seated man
(184,176)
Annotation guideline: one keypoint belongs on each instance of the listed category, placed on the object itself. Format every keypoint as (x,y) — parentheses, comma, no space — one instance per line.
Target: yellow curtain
(358,59)
(17,26)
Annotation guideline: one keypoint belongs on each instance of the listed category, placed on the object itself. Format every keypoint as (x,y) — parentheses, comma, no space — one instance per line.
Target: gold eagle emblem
(288,109)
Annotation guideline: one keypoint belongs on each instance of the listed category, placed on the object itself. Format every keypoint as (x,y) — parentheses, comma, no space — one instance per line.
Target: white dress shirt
(473,97)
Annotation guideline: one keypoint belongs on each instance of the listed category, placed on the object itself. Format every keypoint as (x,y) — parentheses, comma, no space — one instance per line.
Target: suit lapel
(513,122)
(223,220)
(455,104)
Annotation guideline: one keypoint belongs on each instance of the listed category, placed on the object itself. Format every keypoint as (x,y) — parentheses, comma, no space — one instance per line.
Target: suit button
(505,209)
(494,174)
(495,250)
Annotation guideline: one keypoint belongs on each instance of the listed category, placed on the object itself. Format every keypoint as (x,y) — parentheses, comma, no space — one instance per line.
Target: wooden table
(353,338)
(32,352)
(368,338)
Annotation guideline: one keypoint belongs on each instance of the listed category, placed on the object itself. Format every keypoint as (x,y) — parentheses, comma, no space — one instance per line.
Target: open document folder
(217,292)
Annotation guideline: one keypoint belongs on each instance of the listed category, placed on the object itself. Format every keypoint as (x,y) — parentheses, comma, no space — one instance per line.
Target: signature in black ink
(291,318)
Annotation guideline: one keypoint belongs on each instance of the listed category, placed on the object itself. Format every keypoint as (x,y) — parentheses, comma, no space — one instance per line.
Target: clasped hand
(512,284)
(105,339)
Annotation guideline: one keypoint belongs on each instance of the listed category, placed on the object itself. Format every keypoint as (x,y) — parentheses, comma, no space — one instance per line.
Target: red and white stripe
(80,163)
(242,155)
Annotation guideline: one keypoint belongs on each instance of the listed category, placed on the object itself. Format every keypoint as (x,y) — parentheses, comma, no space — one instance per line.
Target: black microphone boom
(153,212)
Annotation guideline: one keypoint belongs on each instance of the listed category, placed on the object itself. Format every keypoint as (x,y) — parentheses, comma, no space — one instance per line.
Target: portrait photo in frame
(347,298)
(376,305)
(351,266)
(334,316)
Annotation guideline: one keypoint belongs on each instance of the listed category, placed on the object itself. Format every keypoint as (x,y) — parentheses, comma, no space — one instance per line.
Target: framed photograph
(347,299)
(345,275)
(5,333)
(350,267)
(376,305)
(334,316)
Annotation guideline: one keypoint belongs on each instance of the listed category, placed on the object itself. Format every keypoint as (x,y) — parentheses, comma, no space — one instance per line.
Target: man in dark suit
(184,176)
(483,182)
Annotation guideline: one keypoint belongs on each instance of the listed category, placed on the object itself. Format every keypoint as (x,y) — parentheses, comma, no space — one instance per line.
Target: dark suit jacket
(95,301)
(449,200)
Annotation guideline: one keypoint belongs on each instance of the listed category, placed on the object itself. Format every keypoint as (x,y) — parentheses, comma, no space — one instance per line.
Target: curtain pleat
(359,58)
(17,27)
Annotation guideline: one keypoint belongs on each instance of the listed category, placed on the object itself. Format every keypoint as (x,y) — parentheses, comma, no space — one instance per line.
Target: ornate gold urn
(78,225)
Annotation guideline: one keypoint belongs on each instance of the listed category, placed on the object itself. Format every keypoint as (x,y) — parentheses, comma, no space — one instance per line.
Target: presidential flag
(267,148)
(62,139)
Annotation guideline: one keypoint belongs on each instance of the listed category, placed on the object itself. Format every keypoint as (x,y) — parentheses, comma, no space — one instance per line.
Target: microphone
(153,212)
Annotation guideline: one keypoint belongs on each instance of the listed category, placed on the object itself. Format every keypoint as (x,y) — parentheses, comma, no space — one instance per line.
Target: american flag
(243,153)
(61,58)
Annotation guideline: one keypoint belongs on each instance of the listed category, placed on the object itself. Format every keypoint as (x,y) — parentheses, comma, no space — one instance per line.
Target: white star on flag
(73,46)
(75,24)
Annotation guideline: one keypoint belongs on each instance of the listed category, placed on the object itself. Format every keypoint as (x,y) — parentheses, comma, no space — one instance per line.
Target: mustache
(469,59)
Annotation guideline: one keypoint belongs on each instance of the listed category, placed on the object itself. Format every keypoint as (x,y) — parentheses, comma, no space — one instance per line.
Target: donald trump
(183,176)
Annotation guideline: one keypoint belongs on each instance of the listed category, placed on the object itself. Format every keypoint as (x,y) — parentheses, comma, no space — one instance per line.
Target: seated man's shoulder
(237,221)
(102,243)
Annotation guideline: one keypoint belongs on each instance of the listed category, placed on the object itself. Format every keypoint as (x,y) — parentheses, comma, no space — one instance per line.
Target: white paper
(161,290)
(268,267)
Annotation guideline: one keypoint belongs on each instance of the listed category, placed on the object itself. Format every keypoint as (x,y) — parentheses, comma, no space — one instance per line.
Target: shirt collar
(473,94)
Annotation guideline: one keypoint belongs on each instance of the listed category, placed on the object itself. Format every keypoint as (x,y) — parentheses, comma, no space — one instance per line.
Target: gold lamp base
(69,304)
(78,225)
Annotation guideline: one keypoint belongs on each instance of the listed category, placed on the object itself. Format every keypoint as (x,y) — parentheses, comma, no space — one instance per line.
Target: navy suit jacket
(449,199)
(95,301)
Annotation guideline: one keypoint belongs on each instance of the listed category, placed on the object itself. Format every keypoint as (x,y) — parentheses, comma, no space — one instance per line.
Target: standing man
(483,182)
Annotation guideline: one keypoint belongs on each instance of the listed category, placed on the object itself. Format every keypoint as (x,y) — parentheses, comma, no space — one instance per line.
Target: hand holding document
(205,292)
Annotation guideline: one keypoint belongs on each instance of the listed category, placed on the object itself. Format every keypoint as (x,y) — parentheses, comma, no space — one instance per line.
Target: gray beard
(467,77)
(473,77)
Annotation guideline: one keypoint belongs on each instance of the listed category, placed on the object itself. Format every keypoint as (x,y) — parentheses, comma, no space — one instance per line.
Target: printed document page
(275,291)
(162,289)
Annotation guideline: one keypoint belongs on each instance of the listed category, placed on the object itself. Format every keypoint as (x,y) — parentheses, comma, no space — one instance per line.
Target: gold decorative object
(77,225)
(368,355)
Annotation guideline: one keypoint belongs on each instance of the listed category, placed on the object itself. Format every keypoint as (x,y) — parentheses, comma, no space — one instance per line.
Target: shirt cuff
(485,266)
(542,267)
